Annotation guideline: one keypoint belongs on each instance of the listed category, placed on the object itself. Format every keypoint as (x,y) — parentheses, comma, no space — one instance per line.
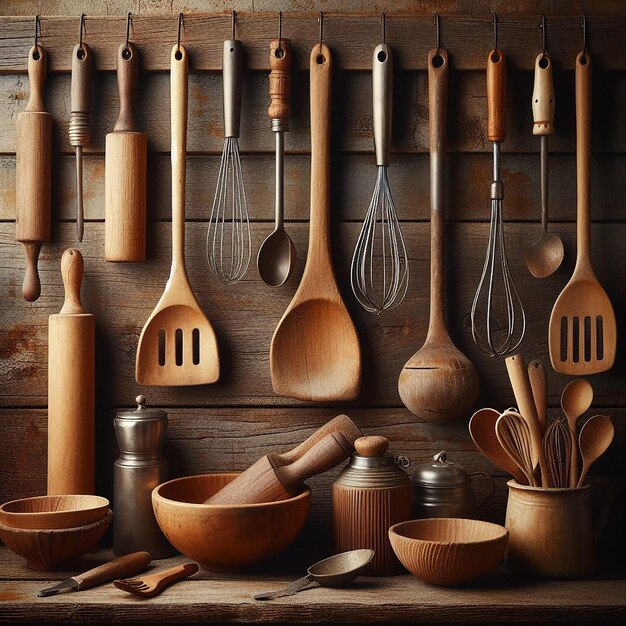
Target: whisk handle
(543,96)
(382,92)
(232,67)
(496,95)
(280,79)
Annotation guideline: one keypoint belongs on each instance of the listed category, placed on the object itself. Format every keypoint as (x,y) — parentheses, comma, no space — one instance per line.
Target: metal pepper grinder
(140,468)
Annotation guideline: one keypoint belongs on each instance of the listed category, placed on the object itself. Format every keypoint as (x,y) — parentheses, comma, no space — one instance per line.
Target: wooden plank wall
(229,425)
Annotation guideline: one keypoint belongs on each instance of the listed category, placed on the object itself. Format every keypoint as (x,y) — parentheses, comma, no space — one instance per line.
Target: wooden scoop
(177,345)
(315,353)
(582,333)
(576,398)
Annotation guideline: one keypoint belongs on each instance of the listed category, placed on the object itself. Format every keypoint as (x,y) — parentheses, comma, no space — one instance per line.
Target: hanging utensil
(177,345)
(229,245)
(277,254)
(379,273)
(582,334)
(596,436)
(497,314)
(576,398)
(438,382)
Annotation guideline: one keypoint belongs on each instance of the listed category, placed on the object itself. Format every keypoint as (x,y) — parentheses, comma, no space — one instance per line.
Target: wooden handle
(325,455)
(117,568)
(280,79)
(583,155)
(232,73)
(37,70)
(543,96)
(371,446)
(31,286)
(496,95)
(437,112)
(518,375)
(173,574)
(127,69)
(72,268)
(81,79)
(341,423)
(179,103)
(538,385)
(382,91)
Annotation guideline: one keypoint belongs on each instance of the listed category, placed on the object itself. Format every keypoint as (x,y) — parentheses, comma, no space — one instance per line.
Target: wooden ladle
(438,382)
(576,399)
(595,437)
(315,353)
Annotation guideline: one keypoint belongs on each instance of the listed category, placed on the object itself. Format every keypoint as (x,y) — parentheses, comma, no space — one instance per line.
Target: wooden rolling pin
(71,388)
(33,173)
(126,156)
(269,479)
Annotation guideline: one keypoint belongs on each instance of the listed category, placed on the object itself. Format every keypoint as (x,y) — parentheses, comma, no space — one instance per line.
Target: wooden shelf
(210,597)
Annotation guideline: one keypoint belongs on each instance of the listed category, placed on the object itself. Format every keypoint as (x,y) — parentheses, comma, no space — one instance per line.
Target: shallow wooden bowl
(50,512)
(57,549)
(449,552)
(223,536)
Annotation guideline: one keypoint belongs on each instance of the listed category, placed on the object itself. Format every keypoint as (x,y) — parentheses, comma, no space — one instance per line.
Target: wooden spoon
(315,353)
(576,399)
(482,427)
(595,437)
(438,382)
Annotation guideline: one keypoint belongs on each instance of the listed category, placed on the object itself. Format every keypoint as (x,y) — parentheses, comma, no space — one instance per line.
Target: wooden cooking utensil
(518,375)
(582,334)
(272,481)
(438,382)
(152,585)
(33,162)
(514,436)
(315,353)
(177,345)
(482,427)
(538,386)
(576,398)
(126,159)
(71,388)
(595,438)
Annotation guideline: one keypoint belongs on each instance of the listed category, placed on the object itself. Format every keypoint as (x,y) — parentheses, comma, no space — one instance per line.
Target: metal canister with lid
(140,468)
(370,495)
(444,489)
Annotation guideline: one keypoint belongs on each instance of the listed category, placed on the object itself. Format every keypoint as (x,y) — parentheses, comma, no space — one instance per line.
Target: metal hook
(383,25)
(438,32)
(127,30)
(233,24)
(542,26)
(37,30)
(583,25)
(180,26)
(495,31)
(80,32)
(321,21)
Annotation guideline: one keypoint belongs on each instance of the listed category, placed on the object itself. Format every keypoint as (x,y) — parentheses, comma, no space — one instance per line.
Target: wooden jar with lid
(370,495)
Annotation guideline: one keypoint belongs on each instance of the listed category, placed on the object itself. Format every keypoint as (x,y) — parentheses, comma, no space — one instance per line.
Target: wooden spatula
(582,333)
(177,345)
(315,352)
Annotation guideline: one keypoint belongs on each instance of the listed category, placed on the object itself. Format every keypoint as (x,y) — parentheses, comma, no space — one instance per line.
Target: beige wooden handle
(325,455)
(37,70)
(583,155)
(538,385)
(496,95)
(31,286)
(280,79)
(72,268)
(179,103)
(127,70)
(382,91)
(173,574)
(80,99)
(117,568)
(543,96)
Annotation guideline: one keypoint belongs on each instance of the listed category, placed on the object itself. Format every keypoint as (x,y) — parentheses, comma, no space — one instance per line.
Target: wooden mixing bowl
(49,512)
(223,536)
(447,551)
(53,550)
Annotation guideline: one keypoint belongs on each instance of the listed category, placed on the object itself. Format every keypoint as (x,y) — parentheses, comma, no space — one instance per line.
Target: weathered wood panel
(467,38)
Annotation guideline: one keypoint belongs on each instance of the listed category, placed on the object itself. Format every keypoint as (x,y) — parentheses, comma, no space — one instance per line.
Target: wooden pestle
(252,482)
(71,388)
(33,173)
(125,171)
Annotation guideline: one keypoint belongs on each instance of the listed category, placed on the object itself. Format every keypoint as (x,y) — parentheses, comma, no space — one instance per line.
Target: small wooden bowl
(449,552)
(53,512)
(223,536)
(58,549)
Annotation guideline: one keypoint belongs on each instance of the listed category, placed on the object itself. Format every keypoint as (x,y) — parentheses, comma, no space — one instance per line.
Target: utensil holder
(553,532)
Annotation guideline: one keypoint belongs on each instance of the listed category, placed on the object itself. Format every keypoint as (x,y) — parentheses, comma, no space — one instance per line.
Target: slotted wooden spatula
(582,333)
(177,345)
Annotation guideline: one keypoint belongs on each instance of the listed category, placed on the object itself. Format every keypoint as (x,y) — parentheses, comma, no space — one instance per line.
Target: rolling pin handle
(31,287)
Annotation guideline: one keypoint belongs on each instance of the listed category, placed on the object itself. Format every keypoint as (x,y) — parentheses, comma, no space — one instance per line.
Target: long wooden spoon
(177,345)
(576,399)
(596,436)
(315,353)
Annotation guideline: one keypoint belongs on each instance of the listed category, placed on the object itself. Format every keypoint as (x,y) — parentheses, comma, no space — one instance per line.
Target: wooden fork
(150,586)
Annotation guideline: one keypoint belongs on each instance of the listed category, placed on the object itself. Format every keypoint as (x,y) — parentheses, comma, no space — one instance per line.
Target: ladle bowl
(545,256)
(276,258)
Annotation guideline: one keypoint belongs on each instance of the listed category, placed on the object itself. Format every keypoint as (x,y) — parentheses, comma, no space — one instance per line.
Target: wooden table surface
(211,597)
